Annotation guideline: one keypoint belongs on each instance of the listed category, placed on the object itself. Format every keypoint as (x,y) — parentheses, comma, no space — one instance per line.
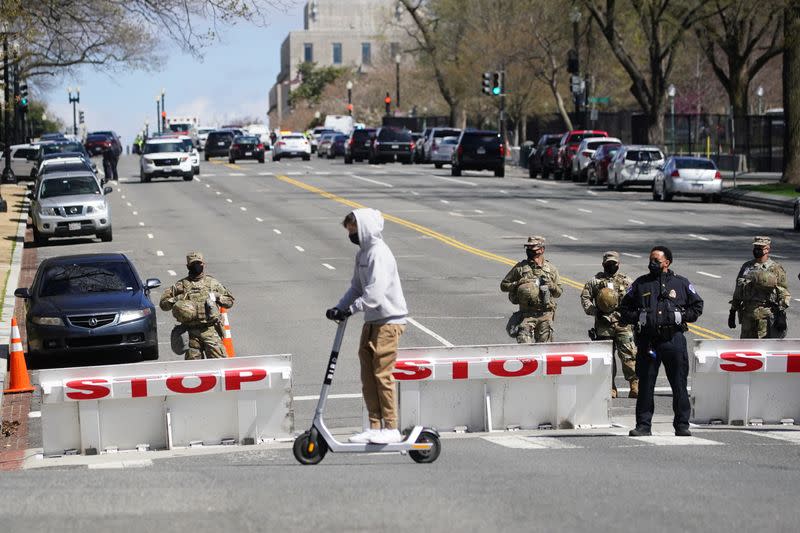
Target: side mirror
(152,283)
(108,190)
(22,292)
(94,167)
(29,194)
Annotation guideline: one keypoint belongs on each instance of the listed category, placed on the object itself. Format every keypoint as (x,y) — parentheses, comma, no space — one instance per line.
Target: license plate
(698,185)
(367,143)
(74,226)
(96,149)
(481,150)
(248,153)
(221,144)
(395,147)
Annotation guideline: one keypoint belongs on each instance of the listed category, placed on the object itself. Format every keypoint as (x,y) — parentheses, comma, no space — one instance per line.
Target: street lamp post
(575,18)
(8,173)
(349,97)
(74,100)
(671,94)
(163,112)
(760,95)
(146,129)
(158,114)
(397,79)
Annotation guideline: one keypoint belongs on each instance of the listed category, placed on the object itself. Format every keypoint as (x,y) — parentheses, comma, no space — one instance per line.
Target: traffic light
(486,83)
(80,117)
(388,102)
(498,79)
(23,94)
(573,66)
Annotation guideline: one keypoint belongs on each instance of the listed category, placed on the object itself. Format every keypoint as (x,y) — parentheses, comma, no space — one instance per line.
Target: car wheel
(656,195)
(150,354)
(276,158)
(666,196)
(545,174)
(706,198)
(188,177)
(619,186)
(231,161)
(106,236)
(307,157)
(438,165)
(38,238)
(348,160)
(797,215)
(205,157)
(455,171)
(500,172)
(261,160)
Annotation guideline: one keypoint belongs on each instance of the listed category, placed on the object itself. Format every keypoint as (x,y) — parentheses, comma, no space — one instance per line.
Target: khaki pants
(377,353)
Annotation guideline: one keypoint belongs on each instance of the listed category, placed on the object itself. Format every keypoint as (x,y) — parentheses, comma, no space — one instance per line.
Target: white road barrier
(746,381)
(496,387)
(166,404)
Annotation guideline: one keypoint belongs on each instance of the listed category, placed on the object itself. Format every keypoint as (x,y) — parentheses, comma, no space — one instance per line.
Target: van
(341,123)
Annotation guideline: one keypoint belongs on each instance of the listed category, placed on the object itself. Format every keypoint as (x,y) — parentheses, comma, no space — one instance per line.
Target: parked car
(567,148)
(419,147)
(218,143)
(358,145)
(587,147)
(90,304)
(634,165)
(65,163)
(479,150)
(202,136)
(688,176)
(56,136)
(324,144)
(597,172)
(435,137)
(442,151)
(316,135)
(165,157)
(99,141)
(246,147)
(336,147)
(392,144)
(70,204)
(23,159)
(291,145)
(542,160)
(54,148)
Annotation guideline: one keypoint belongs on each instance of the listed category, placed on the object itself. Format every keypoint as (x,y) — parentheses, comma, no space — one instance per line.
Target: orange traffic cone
(227,340)
(20,381)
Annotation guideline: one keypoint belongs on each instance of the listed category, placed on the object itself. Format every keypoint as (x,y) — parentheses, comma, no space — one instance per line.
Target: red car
(598,167)
(568,147)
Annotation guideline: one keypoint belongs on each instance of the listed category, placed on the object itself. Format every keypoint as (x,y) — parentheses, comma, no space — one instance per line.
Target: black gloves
(732,319)
(779,322)
(334,313)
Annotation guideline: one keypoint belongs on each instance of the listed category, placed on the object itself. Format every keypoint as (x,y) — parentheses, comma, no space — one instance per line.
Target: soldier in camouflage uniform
(600,298)
(202,295)
(534,285)
(761,295)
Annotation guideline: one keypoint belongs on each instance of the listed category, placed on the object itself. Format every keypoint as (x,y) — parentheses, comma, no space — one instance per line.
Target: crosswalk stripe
(531,443)
(672,440)
(792,437)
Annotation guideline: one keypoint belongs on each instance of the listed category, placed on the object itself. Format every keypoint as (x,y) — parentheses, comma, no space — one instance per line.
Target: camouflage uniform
(761,289)
(607,324)
(204,332)
(537,316)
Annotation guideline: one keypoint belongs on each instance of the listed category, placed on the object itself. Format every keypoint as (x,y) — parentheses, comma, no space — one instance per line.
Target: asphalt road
(272,234)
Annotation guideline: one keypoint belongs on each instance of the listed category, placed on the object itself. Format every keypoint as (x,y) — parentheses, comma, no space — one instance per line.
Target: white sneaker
(364,437)
(386,436)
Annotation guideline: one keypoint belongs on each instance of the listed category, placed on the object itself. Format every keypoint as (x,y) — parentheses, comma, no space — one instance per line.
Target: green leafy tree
(314,79)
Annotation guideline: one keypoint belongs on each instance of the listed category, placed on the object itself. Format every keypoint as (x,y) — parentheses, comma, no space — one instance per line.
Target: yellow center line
(233,166)
(450,241)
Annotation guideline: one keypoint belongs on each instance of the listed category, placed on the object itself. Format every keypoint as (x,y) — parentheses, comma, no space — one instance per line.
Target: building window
(308,52)
(337,53)
(394,49)
(366,53)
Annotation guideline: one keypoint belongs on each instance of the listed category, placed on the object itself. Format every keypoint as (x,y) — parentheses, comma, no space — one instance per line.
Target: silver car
(634,165)
(443,150)
(70,204)
(688,176)
(434,138)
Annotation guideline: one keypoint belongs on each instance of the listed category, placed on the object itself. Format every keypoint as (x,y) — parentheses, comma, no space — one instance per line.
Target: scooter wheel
(308,453)
(427,456)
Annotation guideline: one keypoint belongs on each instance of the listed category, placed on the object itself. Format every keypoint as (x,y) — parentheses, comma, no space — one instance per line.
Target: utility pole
(397,80)
(158,115)
(74,100)
(163,112)
(8,173)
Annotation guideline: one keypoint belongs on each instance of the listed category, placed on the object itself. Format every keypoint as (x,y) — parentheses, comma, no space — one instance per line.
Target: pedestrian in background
(661,304)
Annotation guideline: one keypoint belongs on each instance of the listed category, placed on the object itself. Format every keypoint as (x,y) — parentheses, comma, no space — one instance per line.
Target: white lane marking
(149,235)
(208,186)
(159,253)
(210,175)
(293,173)
(126,203)
(415,193)
(135,213)
(751,224)
(368,180)
(329,267)
(592,193)
(141,223)
(324,173)
(542,201)
(430,332)
(229,200)
(518,221)
(709,275)
(35,414)
(672,440)
(776,256)
(634,221)
(531,443)
(123,196)
(503,192)
(570,237)
(632,255)
(309,167)
(243,208)
(235,174)
(299,248)
(786,436)
(315,397)
(260,219)
(445,201)
(265,173)
(700,237)
(172,273)
(797,299)
(584,210)
(462,182)
(454,214)
(276,230)
(197,179)
(479,211)
(115,465)
(218,193)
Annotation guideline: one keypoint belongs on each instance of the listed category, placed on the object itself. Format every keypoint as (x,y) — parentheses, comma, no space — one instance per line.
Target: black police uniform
(110,160)
(652,302)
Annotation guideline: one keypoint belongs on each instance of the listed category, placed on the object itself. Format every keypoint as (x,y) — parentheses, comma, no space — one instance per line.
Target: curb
(759,200)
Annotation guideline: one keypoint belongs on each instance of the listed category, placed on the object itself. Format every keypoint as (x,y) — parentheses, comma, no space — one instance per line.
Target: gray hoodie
(375,288)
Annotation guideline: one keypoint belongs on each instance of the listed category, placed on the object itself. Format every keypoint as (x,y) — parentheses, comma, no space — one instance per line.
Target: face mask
(610,268)
(758,253)
(195,269)
(654,267)
(354,238)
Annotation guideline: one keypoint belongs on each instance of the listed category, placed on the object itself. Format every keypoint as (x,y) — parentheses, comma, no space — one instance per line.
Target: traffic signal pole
(8,173)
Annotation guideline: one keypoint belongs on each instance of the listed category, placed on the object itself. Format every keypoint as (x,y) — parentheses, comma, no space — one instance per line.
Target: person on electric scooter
(110,160)
(375,290)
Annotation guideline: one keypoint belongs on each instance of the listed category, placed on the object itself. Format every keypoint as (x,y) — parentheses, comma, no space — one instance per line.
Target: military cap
(192,257)
(761,241)
(536,241)
(611,256)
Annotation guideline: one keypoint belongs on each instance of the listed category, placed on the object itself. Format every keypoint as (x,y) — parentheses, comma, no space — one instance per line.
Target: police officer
(761,295)
(661,304)
(194,302)
(110,160)
(534,285)
(600,298)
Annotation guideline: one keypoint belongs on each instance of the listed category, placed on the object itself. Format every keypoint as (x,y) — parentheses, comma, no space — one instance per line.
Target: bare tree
(791,93)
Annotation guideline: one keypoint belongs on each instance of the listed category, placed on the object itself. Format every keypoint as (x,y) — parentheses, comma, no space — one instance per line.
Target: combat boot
(613,392)
(634,393)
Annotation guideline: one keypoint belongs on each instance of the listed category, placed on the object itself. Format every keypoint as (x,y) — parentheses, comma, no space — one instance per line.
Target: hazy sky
(232,80)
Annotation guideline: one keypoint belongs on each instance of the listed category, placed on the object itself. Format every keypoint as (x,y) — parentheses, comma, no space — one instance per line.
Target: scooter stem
(329,371)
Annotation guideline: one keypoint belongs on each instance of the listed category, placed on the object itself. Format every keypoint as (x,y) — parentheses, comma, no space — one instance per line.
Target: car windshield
(643,155)
(97,137)
(179,127)
(553,140)
(702,164)
(61,147)
(445,133)
(594,145)
(69,186)
(203,131)
(292,138)
(246,139)
(340,138)
(64,167)
(578,137)
(391,134)
(160,148)
(450,140)
(110,276)
(480,139)
(188,145)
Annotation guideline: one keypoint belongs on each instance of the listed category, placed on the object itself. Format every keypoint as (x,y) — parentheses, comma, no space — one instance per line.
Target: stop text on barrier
(492,367)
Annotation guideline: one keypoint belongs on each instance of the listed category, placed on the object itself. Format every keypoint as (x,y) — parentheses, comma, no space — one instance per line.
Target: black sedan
(337,145)
(90,307)
(392,144)
(246,147)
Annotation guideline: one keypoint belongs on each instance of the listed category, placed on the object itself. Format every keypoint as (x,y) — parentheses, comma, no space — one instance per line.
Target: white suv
(291,145)
(162,158)
(202,135)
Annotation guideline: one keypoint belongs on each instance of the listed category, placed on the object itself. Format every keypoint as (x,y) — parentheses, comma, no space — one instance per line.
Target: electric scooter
(421,443)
